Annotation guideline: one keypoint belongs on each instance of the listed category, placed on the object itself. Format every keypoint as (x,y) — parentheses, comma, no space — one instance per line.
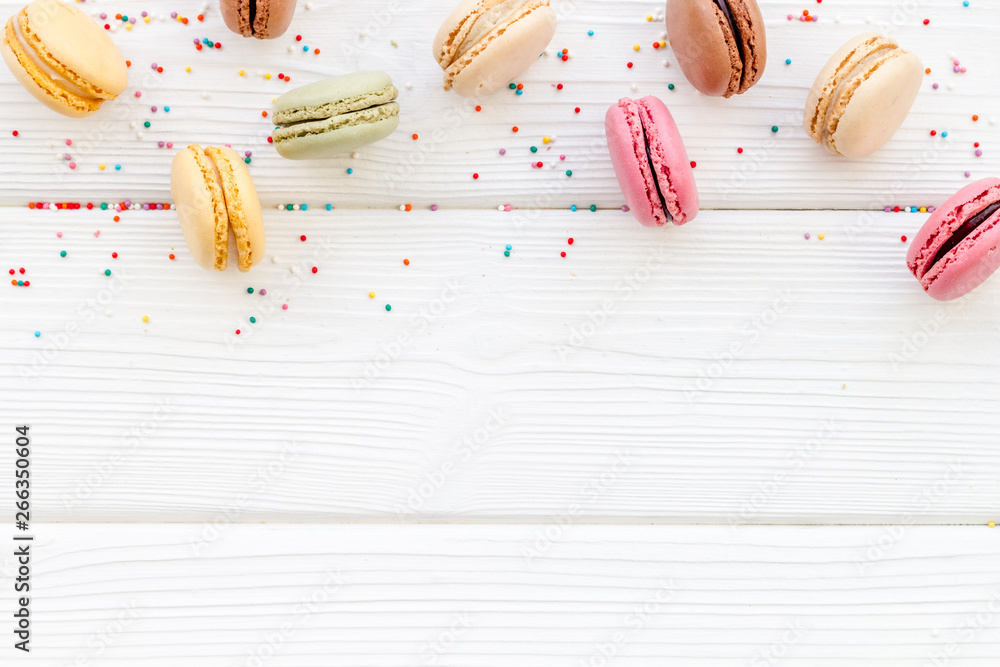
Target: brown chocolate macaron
(720,44)
(263,19)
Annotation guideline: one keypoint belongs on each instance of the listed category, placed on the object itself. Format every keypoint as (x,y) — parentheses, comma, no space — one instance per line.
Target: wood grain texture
(727,371)
(494,596)
(214,104)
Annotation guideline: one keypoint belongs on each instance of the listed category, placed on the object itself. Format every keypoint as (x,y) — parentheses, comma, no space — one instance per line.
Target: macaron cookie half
(958,247)
(862,95)
(217,206)
(262,19)
(650,162)
(63,58)
(485,44)
(334,116)
(721,45)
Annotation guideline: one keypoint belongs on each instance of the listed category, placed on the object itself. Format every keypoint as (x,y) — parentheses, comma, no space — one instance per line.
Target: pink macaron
(957,248)
(650,161)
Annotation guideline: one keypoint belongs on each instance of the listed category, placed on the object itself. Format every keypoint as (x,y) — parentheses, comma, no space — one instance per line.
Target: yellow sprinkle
(242,73)
(923,209)
(267,76)
(371,295)
(146,19)
(102,165)
(991,524)
(546,140)
(635,47)
(822,236)
(649,17)
(187,69)
(145,318)
(663,43)
(128,26)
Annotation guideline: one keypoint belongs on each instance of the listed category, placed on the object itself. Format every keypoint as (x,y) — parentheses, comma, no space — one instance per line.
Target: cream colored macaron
(63,58)
(862,95)
(486,44)
(218,208)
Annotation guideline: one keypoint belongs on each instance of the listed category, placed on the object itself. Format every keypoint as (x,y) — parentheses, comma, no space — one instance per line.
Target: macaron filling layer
(361,109)
(652,162)
(965,231)
(656,180)
(324,125)
(723,6)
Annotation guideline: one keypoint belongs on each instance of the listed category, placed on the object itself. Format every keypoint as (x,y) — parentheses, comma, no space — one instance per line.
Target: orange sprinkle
(117,219)
(409,207)
(263,114)
(171,256)
(975,118)
(406,262)
(514,128)
(415,136)
(927,71)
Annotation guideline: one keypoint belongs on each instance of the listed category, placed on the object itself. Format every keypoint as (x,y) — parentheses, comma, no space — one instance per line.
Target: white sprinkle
(634,87)
(139,135)
(402,207)
(309,5)
(280,207)
(355,155)
(204,96)
(666,63)
(294,269)
(295,207)
(500,208)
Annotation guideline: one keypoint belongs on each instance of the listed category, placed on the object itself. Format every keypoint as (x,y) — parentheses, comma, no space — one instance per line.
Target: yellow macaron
(217,206)
(63,58)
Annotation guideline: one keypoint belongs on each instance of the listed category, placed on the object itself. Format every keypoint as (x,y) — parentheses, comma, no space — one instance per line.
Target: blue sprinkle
(118,167)
(573,208)
(520,92)
(591,32)
(305,48)
(166,109)
(350,171)
(304,207)
(329,207)
(508,247)
(944,134)
(966,3)
(38,334)
(788,61)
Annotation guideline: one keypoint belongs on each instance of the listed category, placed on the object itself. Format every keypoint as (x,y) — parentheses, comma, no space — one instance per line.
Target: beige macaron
(63,58)
(486,44)
(218,208)
(862,95)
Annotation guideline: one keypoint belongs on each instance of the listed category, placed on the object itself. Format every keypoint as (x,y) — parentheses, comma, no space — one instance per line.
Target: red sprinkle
(114,255)
(629,65)
(475,177)
(577,109)
(562,254)
(315,270)
(302,238)
(14,133)
(570,240)
(693,164)
(903,238)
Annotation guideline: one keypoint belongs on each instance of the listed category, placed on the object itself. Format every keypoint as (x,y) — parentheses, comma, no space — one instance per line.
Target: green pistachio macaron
(334,116)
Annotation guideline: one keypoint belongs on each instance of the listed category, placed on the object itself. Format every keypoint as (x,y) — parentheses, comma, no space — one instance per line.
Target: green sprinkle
(107,272)
(774,128)
(288,207)
(253,320)
(506,253)
(247,160)
(62,253)
(670,86)
(569,172)
(534,149)
(146,124)
(593,207)
(388,307)
(512,86)
(104,207)
(249,290)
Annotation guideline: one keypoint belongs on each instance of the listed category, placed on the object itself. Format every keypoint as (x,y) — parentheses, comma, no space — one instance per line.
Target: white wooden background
(508,467)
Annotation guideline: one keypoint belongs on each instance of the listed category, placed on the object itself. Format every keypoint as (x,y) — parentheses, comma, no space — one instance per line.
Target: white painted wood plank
(863,400)
(776,171)
(502,595)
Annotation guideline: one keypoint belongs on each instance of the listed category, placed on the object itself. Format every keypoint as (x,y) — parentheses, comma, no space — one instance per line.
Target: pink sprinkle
(434,207)
(979,153)
(263,292)
(138,93)
(97,233)
(170,144)
(506,208)
(59,235)
(807,235)
(562,157)
(69,142)
(968,173)
(153,109)
(72,165)
(284,306)
(503,151)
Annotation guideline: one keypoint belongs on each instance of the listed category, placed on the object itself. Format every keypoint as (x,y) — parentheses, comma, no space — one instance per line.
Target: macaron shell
(242,206)
(633,177)
(331,95)
(236,15)
(201,207)
(748,18)
(877,108)
(79,45)
(663,132)
(973,260)
(459,25)
(38,84)
(336,142)
(704,46)
(503,55)
(271,19)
